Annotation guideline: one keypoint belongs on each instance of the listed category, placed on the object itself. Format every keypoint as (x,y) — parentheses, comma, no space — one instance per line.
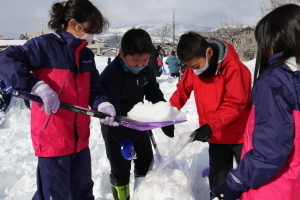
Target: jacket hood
(226,53)
(221,47)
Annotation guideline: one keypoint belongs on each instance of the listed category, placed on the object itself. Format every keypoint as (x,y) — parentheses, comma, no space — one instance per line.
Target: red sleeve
(184,89)
(236,98)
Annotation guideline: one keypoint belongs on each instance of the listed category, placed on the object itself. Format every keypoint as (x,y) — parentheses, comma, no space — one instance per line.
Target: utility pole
(174,28)
(42,31)
(116,44)
(40,20)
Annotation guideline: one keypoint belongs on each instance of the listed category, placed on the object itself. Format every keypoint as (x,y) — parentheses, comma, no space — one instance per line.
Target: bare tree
(268,5)
(242,38)
(163,33)
(230,30)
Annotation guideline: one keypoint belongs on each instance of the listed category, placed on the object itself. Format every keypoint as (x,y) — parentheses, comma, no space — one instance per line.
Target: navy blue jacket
(271,151)
(125,89)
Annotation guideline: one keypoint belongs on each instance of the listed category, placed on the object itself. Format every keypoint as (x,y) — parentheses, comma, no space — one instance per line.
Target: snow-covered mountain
(180,29)
(110,35)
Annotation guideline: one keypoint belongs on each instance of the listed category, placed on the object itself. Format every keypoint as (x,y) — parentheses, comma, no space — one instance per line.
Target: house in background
(36,34)
(95,47)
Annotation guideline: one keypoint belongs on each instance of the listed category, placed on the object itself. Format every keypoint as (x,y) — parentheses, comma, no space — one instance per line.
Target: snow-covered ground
(18,164)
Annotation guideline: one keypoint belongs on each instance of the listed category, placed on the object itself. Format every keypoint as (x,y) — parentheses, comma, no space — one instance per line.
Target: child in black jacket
(126,81)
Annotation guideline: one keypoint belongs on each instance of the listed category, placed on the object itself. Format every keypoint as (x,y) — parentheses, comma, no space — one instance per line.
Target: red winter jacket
(222,100)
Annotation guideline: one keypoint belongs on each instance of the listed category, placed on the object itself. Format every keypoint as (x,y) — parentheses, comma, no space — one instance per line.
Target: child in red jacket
(221,85)
(63,69)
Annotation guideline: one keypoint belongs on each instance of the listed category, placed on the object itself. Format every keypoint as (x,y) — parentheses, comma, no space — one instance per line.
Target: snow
(150,112)
(18,163)
(12,42)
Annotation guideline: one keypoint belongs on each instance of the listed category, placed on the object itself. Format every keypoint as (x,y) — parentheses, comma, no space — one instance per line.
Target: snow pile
(173,176)
(170,185)
(158,112)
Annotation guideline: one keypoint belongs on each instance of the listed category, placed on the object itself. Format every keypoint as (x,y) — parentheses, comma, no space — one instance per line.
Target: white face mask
(200,71)
(88,37)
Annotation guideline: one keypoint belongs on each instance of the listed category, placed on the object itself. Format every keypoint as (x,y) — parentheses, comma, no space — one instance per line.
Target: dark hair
(191,45)
(279,32)
(136,41)
(81,11)
(173,53)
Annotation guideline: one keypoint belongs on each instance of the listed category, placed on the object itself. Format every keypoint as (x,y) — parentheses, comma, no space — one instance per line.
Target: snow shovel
(123,121)
(158,157)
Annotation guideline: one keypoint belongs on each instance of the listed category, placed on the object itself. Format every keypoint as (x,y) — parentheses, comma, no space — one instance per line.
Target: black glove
(229,194)
(203,133)
(168,130)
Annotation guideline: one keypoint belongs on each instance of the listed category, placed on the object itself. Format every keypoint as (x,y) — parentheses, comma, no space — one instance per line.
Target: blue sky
(18,16)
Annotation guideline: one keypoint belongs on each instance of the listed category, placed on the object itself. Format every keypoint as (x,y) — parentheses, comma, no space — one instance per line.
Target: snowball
(158,112)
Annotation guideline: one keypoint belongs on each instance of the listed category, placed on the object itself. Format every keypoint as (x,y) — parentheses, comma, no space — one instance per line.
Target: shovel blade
(144,126)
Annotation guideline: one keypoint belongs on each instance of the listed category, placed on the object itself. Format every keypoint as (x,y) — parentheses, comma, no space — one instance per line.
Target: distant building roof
(35,34)
(6,43)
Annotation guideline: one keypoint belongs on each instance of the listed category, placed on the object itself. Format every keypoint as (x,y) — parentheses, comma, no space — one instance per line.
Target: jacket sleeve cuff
(99,101)
(235,183)
(101,105)
(213,126)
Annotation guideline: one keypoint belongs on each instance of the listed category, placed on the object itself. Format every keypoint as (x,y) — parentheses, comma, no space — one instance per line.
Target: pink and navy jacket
(270,167)
(68,67)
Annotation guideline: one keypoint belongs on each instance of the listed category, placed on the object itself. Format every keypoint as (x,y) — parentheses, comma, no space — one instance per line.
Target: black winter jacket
(125,89)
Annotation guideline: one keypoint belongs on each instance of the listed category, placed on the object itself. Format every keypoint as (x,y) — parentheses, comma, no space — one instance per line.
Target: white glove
(108,108)
(49,97)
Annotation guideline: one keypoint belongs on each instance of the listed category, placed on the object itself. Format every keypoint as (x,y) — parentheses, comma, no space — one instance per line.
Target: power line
(24,20)
(148,13)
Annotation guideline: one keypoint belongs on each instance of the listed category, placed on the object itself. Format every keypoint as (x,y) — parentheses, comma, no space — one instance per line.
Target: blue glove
(229,194)
(127,149)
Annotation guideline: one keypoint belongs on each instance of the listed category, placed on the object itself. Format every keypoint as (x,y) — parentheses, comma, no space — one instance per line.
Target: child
(221,85)
(127,81)
(270,168)
(173,63)
(63,69)
(108,60)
